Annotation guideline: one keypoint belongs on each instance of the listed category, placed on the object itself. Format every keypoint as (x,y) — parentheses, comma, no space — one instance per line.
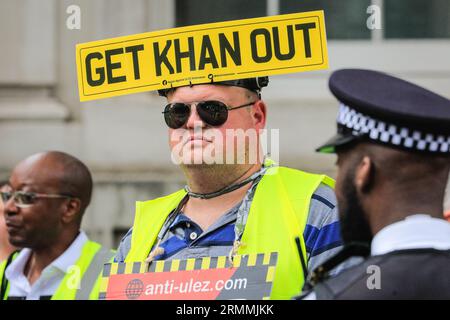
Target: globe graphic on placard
(134,289)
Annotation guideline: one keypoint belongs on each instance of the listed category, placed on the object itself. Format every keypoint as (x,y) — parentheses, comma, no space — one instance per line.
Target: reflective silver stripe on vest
(93,271)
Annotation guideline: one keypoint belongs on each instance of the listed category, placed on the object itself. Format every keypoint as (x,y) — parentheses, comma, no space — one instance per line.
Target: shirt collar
(63,262)
(15,269)
(70,257)
(415,232)
(179,219)
(182,219)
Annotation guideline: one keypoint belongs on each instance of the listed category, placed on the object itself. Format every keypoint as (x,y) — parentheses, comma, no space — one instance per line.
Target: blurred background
(124,140)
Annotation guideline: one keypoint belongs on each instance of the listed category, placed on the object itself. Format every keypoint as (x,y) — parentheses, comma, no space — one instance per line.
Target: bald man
(45,200)
(5,247)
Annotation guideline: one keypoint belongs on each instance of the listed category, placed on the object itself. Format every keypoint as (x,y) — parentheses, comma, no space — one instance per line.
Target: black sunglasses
(213,113)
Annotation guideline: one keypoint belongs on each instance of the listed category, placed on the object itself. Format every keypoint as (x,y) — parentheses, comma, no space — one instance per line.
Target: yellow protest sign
(202,54)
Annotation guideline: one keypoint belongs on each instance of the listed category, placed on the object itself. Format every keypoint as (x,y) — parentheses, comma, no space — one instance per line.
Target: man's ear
(72,210)
(364,175)
(259,114)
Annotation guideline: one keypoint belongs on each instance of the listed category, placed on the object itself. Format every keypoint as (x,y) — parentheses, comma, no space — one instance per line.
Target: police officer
(393,148)
(45,200)
(239,206)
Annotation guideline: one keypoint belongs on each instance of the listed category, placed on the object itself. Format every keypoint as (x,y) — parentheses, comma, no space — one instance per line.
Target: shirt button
(193,235)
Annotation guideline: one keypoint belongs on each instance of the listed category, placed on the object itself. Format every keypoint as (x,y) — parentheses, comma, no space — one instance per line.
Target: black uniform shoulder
(334,287)
(403,274)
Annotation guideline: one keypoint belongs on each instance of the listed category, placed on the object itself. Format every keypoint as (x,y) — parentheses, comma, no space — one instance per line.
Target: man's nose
(10,207)
(194,120)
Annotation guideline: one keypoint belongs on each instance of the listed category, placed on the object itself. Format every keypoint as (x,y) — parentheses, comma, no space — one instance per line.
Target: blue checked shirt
(186,239)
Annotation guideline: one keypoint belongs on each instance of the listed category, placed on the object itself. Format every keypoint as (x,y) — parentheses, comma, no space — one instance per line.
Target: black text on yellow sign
(202,54)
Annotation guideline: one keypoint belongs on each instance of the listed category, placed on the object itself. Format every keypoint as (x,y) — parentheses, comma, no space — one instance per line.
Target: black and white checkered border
(389,133)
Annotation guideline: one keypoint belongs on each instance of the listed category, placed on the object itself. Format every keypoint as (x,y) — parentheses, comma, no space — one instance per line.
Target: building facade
(124,140)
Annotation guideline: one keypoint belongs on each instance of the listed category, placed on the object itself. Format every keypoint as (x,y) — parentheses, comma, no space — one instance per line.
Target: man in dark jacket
(393,147)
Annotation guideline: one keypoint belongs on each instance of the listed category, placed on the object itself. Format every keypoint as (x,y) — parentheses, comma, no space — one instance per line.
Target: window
(345,19)
(191,12)
(417,18)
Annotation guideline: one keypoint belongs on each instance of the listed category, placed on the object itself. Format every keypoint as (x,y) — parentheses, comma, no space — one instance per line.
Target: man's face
(354,224)
(39,224)
(199,143)
(3,231)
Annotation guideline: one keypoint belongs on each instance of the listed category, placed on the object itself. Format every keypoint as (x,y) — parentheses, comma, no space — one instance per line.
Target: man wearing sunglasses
(239,206)
(45,200)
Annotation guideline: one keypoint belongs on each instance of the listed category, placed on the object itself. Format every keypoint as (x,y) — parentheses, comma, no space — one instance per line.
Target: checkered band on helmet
(377,130)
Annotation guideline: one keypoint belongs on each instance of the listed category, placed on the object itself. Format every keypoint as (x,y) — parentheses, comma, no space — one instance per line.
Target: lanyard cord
(222,191)
(241,219)
(157,250)
(242,215)
(244,208)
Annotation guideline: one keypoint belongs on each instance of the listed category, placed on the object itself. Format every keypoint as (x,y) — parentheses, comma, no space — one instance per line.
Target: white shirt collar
(63,262)
(72,253)
(415,232)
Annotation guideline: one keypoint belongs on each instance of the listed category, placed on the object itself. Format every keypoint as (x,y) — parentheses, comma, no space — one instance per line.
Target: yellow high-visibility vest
(278,215)
(82,282)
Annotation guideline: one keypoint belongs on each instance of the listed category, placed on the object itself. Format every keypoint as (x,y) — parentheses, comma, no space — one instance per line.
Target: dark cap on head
(380,108)
(252,84)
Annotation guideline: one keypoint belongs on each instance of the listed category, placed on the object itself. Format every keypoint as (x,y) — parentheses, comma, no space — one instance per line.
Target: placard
(202,54)
(250,277)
